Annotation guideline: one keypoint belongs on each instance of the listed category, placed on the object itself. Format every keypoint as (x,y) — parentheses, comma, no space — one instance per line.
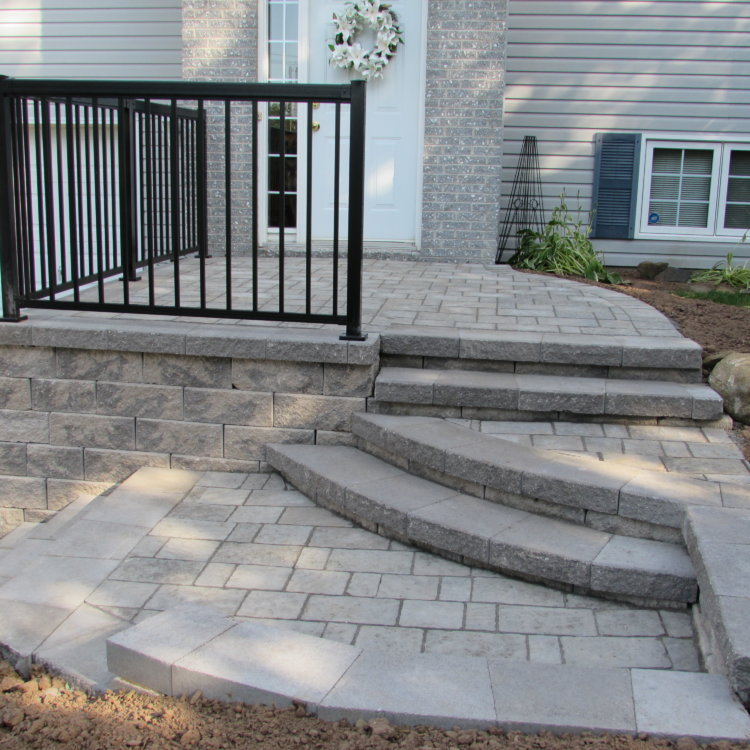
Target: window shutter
(615,184)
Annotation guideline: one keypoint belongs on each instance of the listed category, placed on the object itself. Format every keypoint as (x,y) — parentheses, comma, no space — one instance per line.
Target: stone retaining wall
(75,420)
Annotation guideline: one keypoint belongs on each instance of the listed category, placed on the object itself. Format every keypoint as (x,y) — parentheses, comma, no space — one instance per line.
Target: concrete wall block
(249,443)
(229,406)
(275,375)
(9,519)
(54,461)
(348,380)
(114,465)
(326,437)
(157,401)
(164,436)
(22,492)
(92,431)
(63,395)
(315,412)
(172,369)
(13,458)
(88,364)
(26,362)
(15,393)
(24,426)
(62,492)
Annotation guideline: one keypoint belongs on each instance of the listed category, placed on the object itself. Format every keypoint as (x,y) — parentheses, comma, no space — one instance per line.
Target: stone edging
(190,648)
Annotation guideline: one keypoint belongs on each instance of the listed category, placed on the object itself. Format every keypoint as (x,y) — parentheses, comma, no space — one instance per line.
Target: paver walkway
(253,547)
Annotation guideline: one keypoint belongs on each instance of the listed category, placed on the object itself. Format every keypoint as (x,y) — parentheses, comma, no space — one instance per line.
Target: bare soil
(45,712)
(716,327)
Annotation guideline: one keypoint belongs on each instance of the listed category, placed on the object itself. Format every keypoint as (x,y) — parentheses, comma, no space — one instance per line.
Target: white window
(695,189)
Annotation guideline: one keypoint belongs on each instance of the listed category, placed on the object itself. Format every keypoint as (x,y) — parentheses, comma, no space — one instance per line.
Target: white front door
(393,143)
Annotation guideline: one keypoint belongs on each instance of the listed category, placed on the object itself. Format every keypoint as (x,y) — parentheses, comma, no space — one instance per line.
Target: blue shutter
(615,184)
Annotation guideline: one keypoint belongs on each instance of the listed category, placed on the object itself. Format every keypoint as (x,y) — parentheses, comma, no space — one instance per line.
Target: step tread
(545,393)
(564,479)
(485,533)
(648,352)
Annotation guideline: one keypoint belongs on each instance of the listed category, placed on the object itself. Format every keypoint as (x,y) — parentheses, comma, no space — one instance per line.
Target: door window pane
(283,53)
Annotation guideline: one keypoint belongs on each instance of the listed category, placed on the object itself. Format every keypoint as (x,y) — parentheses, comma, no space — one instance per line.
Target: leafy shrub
(725,272)
(562,248)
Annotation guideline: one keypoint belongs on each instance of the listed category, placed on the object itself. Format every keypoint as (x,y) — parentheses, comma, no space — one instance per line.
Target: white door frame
(303,77)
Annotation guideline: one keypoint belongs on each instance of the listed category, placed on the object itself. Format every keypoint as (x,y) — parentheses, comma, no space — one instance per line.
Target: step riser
(612,508)
(541,394)
(501,554)
(399,409)
(629,354)
(608,522)
(669,374)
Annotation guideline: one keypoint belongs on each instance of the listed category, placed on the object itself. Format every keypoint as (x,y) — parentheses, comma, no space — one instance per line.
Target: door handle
(315,126)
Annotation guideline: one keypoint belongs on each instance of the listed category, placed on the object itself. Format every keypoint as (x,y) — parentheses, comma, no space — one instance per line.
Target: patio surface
(415,294)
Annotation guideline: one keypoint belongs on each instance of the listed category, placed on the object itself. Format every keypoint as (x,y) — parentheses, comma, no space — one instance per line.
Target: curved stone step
(546,394)
(190,649)
(582,489)
(388,499)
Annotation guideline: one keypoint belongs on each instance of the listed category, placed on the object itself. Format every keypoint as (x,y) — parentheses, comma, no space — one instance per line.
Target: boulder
(731,380)
(649,270)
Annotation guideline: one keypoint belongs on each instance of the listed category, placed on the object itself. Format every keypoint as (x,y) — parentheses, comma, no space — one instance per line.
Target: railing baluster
(282,199)
(228,201)
(49,204)
(254,204)
(97,199)
(308,212)
(79,194)
(174,200)
(41,250)
(72,190)
(89,216)
(201,198)
(148,166)
(27,204)
(336,207)
(61,195)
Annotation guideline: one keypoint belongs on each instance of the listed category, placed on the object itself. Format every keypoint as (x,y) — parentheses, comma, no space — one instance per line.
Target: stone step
(189,649)
(488,395)
(637,357)
(577,488)
(389,500)
(718,540)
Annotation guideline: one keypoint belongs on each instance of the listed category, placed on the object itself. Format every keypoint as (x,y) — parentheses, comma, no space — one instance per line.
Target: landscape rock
(650,270)
(731,379)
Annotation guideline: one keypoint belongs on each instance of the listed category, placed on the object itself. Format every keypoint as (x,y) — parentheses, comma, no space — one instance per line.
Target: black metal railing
(142,196)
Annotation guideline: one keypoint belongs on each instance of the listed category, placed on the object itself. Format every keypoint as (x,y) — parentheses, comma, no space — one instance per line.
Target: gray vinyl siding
(579,67)
(131,39)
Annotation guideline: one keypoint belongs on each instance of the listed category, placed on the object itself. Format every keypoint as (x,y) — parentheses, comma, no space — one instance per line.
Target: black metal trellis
(525,207)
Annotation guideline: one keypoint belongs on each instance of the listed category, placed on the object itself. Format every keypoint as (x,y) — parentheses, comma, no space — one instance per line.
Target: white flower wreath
(349,54)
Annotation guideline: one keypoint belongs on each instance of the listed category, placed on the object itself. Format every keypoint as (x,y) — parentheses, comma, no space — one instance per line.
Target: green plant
(562,248)
(736,299)
(725,272)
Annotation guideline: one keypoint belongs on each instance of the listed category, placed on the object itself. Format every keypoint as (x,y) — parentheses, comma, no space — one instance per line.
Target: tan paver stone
(275,604)
(466,643)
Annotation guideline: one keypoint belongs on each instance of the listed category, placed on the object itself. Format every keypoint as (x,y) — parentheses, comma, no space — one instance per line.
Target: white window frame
(714,232)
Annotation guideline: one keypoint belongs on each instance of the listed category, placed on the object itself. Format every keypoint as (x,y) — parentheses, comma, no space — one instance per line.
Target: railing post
(8,259)
(356,214)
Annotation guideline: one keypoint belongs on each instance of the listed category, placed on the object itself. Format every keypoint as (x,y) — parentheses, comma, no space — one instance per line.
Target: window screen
(737,210)
(680,187)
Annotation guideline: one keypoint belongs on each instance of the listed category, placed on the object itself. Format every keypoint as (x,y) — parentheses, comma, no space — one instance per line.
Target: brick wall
(463,127)
(220,43)
(74,420)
